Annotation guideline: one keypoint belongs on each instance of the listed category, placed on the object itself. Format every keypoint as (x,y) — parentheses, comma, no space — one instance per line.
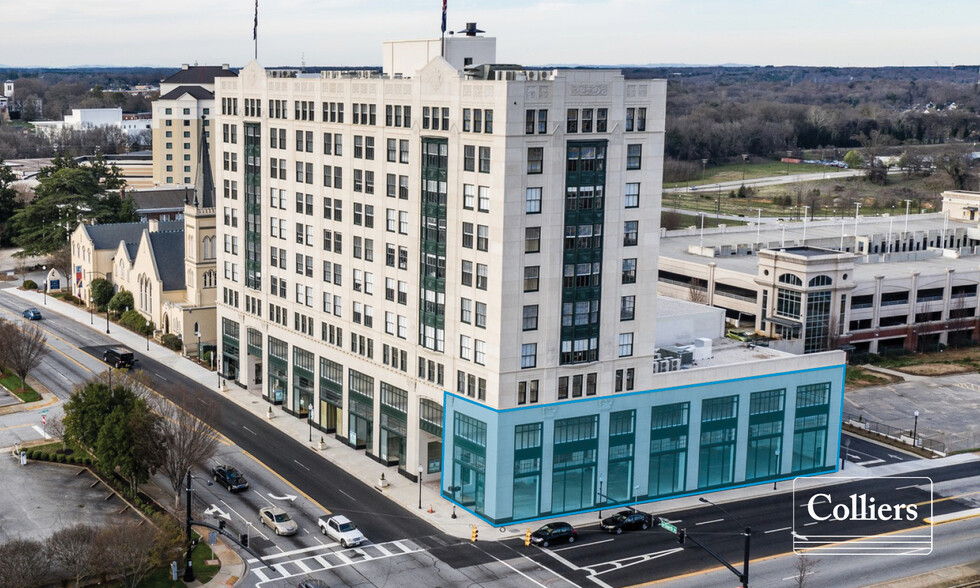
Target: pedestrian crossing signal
(243,539)
(527,537)
(474,533)
(681,534)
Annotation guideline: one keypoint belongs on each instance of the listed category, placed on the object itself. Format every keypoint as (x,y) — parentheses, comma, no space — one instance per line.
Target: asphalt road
(655,554)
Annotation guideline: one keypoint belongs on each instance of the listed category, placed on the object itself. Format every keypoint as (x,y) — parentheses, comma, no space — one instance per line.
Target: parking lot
(42,498)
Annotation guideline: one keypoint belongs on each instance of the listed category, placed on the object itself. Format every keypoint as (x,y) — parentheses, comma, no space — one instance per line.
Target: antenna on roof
(302,60)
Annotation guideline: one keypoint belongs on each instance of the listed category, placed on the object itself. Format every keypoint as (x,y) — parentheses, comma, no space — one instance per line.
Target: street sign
(173,571)
(668,526)
(212,537)
(45,411)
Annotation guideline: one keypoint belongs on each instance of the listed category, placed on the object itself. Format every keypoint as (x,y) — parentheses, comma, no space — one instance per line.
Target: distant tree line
(720,113)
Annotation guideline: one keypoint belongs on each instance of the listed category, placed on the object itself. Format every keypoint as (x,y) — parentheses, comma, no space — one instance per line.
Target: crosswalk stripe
(262,576)
(343,557)
(306,569)
(323,562)
(381,548)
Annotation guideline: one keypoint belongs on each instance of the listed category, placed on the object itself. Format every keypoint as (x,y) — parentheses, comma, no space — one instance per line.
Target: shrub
(71,298)
(30,285)
(32,454)
(101,292)
(171,341)
(121,302)
(134,321)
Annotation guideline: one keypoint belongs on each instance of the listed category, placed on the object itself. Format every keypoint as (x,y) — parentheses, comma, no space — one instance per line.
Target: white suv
(341,529)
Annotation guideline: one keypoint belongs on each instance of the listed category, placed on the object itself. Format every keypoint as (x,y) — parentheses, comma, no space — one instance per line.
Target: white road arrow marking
(286,497)
(214,510)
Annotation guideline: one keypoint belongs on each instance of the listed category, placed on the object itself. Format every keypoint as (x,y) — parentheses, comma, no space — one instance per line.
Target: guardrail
(896,433)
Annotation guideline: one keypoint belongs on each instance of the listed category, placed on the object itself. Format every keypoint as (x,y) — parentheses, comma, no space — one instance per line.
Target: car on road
(278,520)
(229,477)
(32,314)
(626,520)
(553,532)
(118,357)
(341,529)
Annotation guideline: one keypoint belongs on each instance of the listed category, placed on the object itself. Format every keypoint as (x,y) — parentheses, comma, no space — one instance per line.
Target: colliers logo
(859,508)
(862,516)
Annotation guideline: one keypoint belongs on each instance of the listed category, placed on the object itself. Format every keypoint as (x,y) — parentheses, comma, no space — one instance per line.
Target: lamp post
(907,204)
(774,482)
(309,419)
(915,429)
(758,226)
(744,576)
(91,302)
(188,564)
(45,268)
(420,486)
(857,211)
(847,453)
(600,495)
(745,157)
(806,209)
(198,333)
(704,164)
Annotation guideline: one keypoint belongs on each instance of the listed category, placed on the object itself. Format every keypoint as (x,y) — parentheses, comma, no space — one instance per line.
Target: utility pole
(189,565)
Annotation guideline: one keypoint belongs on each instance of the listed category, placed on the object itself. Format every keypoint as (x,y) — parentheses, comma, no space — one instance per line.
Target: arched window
(820,281)
(790,279)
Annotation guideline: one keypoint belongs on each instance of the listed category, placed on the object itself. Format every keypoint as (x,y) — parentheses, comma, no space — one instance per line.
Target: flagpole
(442,44)
(255,30)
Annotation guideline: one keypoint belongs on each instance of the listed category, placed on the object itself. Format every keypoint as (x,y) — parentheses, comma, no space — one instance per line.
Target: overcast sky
(57,33)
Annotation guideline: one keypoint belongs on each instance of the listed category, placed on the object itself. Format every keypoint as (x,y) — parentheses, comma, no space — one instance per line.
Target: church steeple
(204,187)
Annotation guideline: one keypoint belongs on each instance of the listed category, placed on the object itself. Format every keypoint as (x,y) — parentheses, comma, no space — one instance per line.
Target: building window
(484,160)
(469,158)
(630,233)
(532,201)
(531,278)
(626,344)
(634,156)
(532,239)
(571,125)
(627,308)
(530,321)
(468,235)
(535,160)
(529,355)
(629,271)
(631,198)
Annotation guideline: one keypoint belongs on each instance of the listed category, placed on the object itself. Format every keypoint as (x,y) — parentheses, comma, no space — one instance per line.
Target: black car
(118,357)
(626,520)
(229,477)
(553,532)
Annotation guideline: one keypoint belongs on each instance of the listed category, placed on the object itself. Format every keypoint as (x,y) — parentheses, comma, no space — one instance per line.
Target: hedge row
(38,455)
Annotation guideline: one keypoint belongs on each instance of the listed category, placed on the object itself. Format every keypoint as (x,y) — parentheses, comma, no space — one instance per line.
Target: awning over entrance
(784,322)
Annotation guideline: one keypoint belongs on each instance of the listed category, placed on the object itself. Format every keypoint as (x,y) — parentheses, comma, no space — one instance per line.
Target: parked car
(32,314)
(553,532)
(738,335)
(278,520)
(229,477)
(341,529)
(626,520)
(118,357)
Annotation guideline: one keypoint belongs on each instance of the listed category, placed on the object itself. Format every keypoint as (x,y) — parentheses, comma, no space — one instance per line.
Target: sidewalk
(406,493)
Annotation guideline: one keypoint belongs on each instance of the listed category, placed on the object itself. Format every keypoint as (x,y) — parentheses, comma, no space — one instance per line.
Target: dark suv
(229,477)
(553,532)
(118,357)
(626,520)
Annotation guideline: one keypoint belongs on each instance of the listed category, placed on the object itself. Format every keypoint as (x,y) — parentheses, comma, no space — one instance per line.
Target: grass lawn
(837,198)
(13,383)
(733,172)
(694,220)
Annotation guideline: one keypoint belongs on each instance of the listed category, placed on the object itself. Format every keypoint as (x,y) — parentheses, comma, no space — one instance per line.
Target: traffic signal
(243,539)
(681,533)
(221,525)
(474,533)
(527,537)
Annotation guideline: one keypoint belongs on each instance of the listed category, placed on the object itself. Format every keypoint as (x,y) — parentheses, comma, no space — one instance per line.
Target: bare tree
(72,549)
(22,349)
(131,549)
(23,564)
(61,261)
(697,292)
(184,440)
(670,219)
(803,569)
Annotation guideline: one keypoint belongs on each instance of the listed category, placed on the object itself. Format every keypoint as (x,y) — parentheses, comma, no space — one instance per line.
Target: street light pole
(189,565)
(847,453)
(309,419)
(744,576)
(600,496)
(915,429)
(45,268)
(701,239)
(907,204)
(420,487)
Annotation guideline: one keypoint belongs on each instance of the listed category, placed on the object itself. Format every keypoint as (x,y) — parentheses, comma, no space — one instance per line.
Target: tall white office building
(442,259)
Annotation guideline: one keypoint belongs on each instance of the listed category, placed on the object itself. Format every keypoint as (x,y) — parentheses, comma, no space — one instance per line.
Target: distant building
(83,119)
(181,117)
(874,285)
